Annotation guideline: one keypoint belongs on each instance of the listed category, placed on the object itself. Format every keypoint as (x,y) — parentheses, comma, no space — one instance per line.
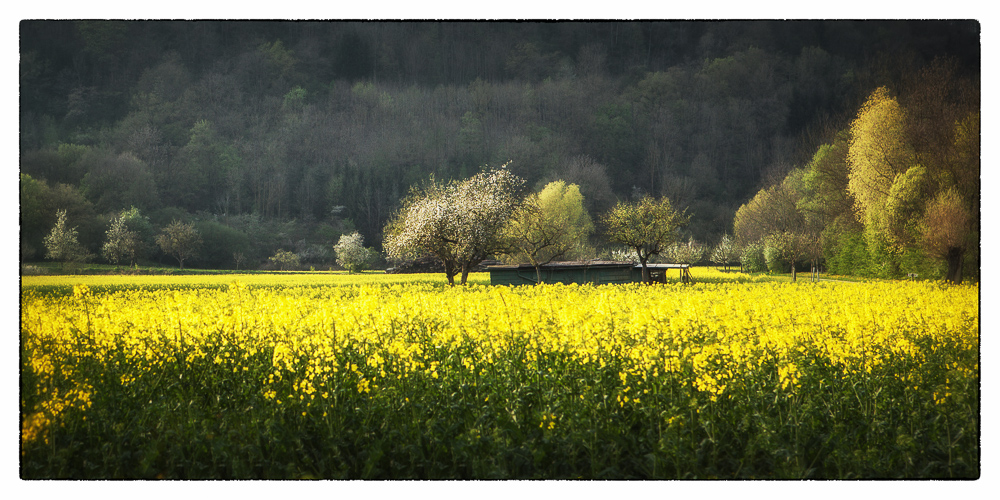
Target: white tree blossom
(61,243)
(351,252)
(726,252)
(120,244)
(689,253)
(460,222)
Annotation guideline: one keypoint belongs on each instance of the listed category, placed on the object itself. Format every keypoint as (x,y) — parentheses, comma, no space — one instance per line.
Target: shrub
(753,258)
(775,262)
(285,260)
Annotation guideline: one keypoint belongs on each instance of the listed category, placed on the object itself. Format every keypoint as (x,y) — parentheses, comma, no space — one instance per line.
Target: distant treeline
(314,129)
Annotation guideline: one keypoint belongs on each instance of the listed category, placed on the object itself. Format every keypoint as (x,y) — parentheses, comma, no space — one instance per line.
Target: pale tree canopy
(351,252)
(120,243)
(548,226)
(726,252)
(460,222)
(690,252)
(61,244)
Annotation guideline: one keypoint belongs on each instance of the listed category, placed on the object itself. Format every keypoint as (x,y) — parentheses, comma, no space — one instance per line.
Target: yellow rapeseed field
(715,337)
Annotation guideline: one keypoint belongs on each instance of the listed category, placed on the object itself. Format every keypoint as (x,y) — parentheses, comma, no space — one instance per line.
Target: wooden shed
(598,272)
(659,273)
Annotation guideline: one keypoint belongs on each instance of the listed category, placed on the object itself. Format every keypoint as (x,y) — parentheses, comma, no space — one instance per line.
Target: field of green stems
(402,377)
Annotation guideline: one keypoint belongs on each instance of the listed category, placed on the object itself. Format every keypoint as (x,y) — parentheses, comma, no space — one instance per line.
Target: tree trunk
(955,265)
(538,274)
(645,271)
(449,271)
(467,268)
(793,272)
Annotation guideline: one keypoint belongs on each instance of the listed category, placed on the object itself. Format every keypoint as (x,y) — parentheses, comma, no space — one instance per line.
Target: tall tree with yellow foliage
(549,226)
(909,194)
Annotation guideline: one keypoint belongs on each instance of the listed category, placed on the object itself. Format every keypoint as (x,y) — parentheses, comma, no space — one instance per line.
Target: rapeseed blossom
(302,344)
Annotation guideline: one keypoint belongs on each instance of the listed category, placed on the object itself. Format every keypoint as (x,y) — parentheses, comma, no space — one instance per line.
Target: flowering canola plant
(314,349)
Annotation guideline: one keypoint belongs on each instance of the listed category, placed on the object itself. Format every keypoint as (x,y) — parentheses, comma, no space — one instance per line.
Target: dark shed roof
(593,271)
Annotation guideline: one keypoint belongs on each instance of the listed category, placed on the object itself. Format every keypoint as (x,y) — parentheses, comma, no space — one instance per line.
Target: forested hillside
(271,135)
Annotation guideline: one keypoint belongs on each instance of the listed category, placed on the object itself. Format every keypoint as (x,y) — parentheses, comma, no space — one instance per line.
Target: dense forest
(285,135)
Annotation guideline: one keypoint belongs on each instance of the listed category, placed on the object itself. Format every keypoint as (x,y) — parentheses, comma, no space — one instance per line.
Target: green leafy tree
(61,244)
(752,258)
(771,210)
(826,199)
(906,161)
(773,218)
(352,254)
(115,181)
(647,226)
(34,195)
(884,177)
(285,260)
(461,222)
(180,240)
(825,185)
(200,171)
(294,100)
(280,59)
(550,225)
(39,204)
(219,243)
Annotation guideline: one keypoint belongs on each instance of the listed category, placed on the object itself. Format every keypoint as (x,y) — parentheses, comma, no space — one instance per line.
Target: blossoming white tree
(460,222)
(726,252)
(120,244)
(61,243)
(689,253)
(351,252)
